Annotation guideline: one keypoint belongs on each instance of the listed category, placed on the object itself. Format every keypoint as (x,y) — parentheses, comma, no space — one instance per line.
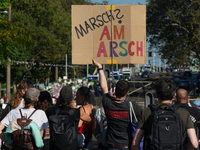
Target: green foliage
(13,40)
(173,29)
(47,24)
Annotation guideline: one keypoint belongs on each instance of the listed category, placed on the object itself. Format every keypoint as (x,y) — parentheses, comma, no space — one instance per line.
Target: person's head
(122,88)
(66,96)
(165,89)
(181,96)
(31,97)
(84,96)
(45,101)
(21,89)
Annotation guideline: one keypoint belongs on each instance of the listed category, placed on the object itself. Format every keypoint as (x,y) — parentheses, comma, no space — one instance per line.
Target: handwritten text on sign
(100,33)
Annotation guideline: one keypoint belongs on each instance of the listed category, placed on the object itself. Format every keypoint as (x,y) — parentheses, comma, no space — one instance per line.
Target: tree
(173,28)
(48,22)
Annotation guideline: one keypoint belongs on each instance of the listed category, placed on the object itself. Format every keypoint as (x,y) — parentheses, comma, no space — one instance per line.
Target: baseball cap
(66,94)
(31,95)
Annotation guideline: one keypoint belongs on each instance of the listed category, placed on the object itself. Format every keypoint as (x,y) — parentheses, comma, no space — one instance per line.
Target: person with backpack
(165,126)
(117,110)
(182,99)
(64,120)
(31,119)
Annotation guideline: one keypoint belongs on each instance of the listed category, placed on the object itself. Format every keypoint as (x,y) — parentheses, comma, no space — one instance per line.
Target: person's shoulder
(183,111)
(39,111)
(146,110)
(13,111)
(106,95)
(51,110)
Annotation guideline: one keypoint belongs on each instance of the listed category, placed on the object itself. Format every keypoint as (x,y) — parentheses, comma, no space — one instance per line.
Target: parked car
(184,84)
(145,74)
(175,69)
(187,73)
(177,78)
(138,73)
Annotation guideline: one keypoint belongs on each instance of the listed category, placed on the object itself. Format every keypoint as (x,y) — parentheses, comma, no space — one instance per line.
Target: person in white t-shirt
(17,100)
(39,117)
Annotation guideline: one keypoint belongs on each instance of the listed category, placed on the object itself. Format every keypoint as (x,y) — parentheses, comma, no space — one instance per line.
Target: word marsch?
(99,21)
(114,45)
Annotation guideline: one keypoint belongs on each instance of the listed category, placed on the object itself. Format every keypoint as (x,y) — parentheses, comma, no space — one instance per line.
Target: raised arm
(102,78)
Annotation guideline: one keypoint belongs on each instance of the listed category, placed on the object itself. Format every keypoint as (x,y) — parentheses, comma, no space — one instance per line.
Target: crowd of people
(70,123)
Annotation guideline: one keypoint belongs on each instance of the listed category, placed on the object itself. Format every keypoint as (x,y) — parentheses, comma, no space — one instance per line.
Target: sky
(120,2)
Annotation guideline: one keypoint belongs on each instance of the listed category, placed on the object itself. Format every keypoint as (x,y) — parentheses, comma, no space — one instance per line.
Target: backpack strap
(175,107)
(32,113)
(153,107)
(83,109)
(20,113)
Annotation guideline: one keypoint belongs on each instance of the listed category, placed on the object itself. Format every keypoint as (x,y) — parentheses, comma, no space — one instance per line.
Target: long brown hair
(16,99)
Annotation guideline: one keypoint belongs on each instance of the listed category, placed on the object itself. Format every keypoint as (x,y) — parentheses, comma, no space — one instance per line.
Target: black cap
(66,94)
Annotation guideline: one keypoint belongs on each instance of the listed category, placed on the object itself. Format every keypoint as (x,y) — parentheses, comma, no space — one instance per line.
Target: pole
(66,65)
(8,70)
(104,67)
(112,50)
(116,66)
(56,73)
(147,54)
(87,70)
(26,70)
(153,60)
(160,63)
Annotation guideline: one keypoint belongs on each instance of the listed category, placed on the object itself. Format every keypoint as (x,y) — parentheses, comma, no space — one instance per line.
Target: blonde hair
(16,99)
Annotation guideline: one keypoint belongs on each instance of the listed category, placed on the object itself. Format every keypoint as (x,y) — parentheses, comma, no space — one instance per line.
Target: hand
(96,64)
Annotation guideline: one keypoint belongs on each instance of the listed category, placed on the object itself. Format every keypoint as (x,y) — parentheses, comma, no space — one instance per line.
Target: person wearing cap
(39,117)
(66,102)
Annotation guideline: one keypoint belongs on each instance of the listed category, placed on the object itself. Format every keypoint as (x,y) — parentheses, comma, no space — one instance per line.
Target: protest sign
(93,31)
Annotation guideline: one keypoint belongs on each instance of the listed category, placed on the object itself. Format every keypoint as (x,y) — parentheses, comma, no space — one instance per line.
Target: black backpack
(165,128)
(23,139)
(63,128)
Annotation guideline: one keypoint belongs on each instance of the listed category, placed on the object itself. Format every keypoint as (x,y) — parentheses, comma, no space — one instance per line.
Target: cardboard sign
(93,31)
